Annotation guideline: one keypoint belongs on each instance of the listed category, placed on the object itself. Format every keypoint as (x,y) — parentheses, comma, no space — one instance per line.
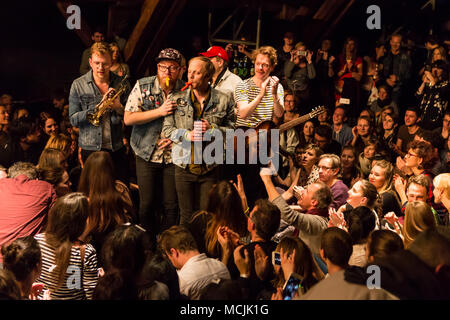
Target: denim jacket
(145,136)
(219,113)
(84,96)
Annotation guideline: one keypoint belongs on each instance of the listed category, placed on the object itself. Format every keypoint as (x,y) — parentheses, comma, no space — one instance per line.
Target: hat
(169,54)
(216,51)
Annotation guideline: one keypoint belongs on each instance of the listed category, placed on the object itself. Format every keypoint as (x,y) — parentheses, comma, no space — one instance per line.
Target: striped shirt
(248,91)
(80,279)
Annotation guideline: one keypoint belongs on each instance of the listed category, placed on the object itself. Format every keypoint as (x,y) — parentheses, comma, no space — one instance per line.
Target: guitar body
(251,141)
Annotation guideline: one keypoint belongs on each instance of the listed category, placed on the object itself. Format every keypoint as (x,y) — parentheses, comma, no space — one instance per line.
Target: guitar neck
(293,123)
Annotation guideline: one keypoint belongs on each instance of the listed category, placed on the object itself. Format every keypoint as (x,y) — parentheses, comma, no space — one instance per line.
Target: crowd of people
(96,203)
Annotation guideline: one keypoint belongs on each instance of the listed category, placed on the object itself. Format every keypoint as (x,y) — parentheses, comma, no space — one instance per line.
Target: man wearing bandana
(149,102)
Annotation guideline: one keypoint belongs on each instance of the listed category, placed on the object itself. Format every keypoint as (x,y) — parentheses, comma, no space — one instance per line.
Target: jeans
(193,191)
(157,195)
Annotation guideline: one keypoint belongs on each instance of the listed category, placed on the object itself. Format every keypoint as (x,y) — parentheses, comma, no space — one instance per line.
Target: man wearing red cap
(222,80)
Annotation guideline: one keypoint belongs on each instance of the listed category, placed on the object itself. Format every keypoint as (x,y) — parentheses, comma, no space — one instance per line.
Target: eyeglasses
(164,68)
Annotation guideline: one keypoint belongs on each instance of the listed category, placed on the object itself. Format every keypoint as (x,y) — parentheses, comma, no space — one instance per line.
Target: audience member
(63,253)
(23,258)
(336,249)
(25,201)
(351,172)
(195,269)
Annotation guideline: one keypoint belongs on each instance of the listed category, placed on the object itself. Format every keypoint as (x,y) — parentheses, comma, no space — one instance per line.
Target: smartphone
(293,285)
(276,258)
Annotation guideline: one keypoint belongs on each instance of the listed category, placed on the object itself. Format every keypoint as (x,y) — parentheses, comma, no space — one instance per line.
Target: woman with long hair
(418,218)
(350,72)
(305,132)
(109,201)
(296,257)
(63,253)
(350,166)
(117,65)
(218,229)
(52,167)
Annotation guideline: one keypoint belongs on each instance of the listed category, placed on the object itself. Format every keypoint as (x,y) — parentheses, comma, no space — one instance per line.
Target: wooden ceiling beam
(146,13)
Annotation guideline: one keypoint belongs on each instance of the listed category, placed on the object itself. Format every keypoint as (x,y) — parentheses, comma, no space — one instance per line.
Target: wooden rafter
(146,13)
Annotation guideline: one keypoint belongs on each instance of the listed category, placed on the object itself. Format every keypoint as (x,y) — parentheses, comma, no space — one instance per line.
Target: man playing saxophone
(86,93)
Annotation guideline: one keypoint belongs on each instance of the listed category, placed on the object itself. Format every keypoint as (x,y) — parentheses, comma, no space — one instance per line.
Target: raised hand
(336,218)
(274,82)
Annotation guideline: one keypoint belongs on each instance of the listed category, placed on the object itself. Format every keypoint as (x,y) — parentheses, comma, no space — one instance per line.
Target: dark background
(39,54)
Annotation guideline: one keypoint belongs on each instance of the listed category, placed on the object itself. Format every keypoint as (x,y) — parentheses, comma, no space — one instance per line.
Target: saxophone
(104,105)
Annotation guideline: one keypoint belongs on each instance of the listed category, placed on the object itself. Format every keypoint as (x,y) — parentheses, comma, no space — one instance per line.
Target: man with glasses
(329,169)
(148,104)
(314,201)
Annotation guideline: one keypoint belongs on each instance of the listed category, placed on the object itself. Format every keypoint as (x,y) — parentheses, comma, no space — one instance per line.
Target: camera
(302,53)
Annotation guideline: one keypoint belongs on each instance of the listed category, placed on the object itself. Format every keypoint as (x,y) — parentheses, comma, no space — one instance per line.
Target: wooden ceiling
(149,21)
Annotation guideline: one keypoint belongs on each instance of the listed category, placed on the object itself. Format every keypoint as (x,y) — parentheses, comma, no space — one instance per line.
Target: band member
(223,79)
(259,99)
(215,110)
(146,108)
(86,93)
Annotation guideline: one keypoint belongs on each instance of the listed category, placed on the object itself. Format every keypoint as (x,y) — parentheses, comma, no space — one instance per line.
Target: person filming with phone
(299,72)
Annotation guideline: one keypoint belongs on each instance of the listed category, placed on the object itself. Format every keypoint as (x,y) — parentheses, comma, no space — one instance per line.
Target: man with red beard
(149,102)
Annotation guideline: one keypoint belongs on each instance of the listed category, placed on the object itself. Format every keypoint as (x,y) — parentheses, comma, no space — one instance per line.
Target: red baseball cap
(216,51)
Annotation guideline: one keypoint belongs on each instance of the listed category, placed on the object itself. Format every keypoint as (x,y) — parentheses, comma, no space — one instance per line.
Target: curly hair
(425,151)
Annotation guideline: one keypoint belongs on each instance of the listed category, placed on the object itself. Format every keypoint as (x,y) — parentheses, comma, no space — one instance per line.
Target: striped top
(80,280)
(248,91)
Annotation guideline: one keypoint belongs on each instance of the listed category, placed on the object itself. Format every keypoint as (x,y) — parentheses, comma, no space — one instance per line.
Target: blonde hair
(442,181)
(388,174)
(269,51)
(101,48)
(59,141)
(418,218)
